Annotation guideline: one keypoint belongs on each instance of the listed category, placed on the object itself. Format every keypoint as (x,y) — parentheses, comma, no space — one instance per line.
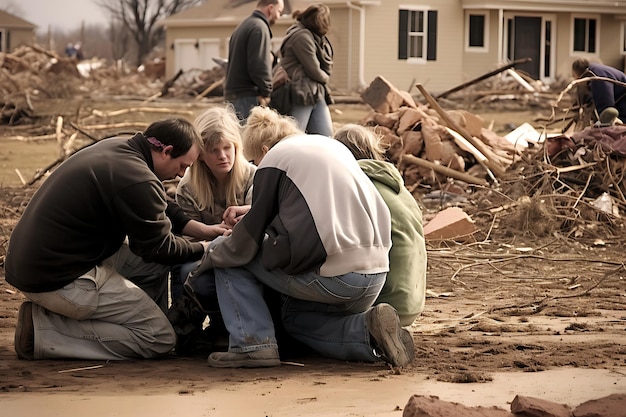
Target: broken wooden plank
(483,77)
(449,172)
(487,164)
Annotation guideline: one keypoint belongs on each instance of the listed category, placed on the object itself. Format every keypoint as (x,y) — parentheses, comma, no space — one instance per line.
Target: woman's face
(220,157)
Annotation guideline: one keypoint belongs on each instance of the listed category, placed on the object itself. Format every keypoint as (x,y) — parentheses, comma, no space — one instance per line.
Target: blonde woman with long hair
(216,190)
(222,177)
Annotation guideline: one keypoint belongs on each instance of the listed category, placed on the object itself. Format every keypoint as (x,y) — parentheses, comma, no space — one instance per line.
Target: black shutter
(403,34)
(431,51)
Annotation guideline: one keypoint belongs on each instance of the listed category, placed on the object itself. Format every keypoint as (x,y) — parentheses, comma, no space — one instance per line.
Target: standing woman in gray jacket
(307,57)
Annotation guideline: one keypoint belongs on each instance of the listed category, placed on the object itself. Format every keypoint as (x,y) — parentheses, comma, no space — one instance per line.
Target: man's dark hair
(580,66)
(179,133)
(262,3)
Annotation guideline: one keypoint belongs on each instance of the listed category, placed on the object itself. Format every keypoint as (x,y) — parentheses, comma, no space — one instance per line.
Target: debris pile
(571,184)
(196,83)
(574,184)
(27,72)
(431,406)
(505,87)
(31,73)
(432,146)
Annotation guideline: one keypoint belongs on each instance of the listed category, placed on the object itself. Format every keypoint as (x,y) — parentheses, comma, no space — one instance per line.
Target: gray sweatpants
(104,316)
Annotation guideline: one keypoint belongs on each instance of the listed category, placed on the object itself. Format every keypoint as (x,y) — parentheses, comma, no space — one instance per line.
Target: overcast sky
(62,14)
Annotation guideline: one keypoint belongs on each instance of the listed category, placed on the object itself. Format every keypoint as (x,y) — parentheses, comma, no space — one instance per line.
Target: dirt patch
(516,300)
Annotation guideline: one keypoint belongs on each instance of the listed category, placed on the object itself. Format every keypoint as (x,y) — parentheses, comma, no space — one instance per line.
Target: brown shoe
(392,343)
(25,332)
(257,359)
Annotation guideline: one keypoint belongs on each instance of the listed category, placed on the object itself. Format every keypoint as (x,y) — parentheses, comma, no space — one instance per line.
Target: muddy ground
(508,301)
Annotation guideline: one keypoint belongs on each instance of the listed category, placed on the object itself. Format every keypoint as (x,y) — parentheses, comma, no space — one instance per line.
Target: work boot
(25,332)
(608,117)
(257,359)
(390,341)
(186,318)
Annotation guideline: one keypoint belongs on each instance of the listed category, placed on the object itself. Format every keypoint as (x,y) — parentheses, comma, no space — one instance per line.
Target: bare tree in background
(140,17)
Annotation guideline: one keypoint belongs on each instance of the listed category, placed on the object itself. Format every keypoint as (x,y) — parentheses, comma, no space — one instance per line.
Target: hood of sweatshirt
(383,172)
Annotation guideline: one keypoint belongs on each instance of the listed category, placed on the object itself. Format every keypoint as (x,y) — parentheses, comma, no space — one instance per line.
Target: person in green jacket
(405,287)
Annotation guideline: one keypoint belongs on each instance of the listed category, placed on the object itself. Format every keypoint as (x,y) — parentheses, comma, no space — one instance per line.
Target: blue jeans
(178,275)
(314,119)
(243,105)
(325,313)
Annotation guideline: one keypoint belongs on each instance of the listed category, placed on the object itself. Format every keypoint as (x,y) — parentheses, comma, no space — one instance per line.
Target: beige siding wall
(344,35)
(563,45)
(477,63)
(609,44)
(21,37)
(610,32)
(454,64)
(381,56)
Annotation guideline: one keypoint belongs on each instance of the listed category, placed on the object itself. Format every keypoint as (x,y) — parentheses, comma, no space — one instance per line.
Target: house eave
(549,6)
(209,21)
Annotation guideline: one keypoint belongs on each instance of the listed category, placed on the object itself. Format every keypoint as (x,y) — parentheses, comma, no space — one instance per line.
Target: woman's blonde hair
(362,141)
(266,127)
(215,125)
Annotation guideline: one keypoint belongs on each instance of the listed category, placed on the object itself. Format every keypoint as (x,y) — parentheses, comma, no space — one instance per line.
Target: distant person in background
(79,51)
(605,94)
(307,57)
(248,80)
(70,50)
(405,287)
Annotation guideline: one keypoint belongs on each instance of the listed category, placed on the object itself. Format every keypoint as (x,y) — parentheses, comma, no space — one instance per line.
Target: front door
(527,44)
(531,37)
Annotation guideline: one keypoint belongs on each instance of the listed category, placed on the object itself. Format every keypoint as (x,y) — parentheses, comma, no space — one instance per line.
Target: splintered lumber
(483,77)
(488,164)
(521,80)
(470,179)
(384,97)
(210,88)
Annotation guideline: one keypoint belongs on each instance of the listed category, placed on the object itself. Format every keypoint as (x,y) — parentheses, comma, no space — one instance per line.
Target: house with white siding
(439,43)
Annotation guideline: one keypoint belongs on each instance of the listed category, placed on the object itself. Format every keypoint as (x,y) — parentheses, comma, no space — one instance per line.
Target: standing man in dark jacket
(95,243)
(249,73)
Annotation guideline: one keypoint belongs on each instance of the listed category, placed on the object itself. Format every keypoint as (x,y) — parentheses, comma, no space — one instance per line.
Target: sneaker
(25,332)
(256,359)
(393,343)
